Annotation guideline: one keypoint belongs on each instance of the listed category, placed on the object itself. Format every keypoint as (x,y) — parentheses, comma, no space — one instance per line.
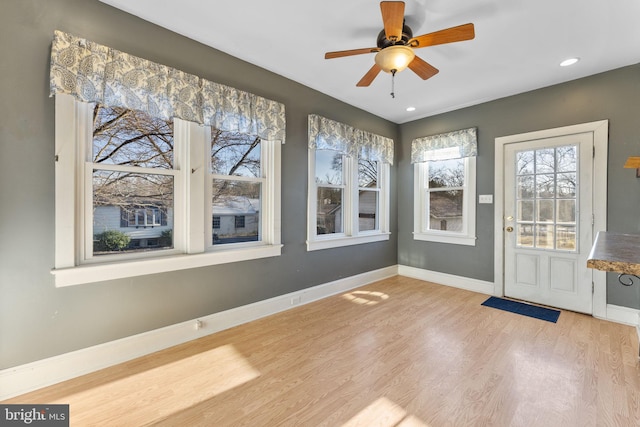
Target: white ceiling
(518,45)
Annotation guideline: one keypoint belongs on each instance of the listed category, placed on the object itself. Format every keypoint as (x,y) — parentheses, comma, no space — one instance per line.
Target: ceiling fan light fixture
(397,57)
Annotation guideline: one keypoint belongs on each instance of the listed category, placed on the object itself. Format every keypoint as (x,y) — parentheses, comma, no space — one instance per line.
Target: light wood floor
(400,352)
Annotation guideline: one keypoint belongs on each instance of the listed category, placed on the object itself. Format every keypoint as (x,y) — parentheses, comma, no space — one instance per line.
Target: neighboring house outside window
(444,179)
(348,185)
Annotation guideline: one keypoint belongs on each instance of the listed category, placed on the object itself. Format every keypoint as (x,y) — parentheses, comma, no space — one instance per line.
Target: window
(348,186)
(368,195)
(330,189)
(135,216)
(133,188)
(238,187)
(239,220)
(444,180)
(131,193)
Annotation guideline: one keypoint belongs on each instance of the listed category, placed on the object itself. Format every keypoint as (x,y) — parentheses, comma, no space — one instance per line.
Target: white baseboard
(626,315)
(466,283)
(42,373)
(615,313)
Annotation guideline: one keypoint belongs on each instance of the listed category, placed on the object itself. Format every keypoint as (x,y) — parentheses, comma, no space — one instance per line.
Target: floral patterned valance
(326,134)
(451,145)
(98,74)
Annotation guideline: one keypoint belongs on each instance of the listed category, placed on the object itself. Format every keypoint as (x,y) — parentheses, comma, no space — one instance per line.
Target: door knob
(509,229)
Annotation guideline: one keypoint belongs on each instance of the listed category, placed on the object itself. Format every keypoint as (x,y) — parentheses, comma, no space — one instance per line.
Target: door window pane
(526,186)
(525,210)
(566,211)
(544,236)
(524,235)
(547,184)
(524,163)
(545,211)
(566,237)
(545,161)
(566,185)
(567,158)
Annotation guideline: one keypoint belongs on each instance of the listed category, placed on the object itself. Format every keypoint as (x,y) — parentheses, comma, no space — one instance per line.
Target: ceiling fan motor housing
(383,41)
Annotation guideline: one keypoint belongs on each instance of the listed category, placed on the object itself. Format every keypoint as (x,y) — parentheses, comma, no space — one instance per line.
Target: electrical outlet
(295,300)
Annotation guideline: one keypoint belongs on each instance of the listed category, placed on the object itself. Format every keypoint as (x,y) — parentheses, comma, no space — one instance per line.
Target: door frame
(600,131)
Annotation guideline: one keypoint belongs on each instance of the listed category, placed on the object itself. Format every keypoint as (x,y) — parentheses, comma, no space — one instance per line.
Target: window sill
(91,273)
(446,238)
(340,241)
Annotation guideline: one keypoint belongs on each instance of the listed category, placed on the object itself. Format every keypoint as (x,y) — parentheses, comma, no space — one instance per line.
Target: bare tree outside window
(130,151)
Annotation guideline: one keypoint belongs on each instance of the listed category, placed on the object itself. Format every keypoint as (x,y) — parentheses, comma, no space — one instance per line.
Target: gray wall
(614,95)
(38,320)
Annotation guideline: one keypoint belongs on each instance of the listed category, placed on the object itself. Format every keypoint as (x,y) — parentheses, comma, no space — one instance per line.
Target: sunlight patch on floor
(555,374)
(151,395)
(384,413)
(365,297)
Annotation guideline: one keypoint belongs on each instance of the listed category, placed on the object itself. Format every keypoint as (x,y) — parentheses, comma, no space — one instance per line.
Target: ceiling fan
(395,45)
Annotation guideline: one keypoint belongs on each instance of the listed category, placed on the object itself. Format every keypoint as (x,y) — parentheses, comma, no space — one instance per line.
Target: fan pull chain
(393,77)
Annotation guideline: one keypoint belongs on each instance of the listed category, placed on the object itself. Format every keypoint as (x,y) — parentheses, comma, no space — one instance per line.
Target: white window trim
(420,232)
(350,235)
(72,266)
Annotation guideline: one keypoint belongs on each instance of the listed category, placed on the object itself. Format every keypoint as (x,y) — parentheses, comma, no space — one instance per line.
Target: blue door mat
(534,311)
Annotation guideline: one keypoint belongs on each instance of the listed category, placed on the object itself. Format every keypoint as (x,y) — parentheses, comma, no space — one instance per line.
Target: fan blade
(393,19)
(341,53)
(450,35)
(371,74)
(422,68)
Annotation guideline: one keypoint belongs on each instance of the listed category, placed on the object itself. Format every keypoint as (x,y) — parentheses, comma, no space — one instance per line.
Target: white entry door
(548,221)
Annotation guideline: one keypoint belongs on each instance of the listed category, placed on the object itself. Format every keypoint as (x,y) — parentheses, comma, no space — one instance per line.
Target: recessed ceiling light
(569,61)
(411,109)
